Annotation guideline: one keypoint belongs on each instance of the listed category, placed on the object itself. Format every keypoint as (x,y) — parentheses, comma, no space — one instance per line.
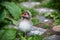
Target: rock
(30,4)
(42,19)
(44,10)
(56,28)
(53,37)
(36,30)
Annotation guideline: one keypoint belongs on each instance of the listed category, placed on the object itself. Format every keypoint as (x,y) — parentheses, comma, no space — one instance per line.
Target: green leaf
(3,15)
(33,12)
(14,10)
(22,38)
(30,38)
(37,37)
(9,34)
(1,33)
(20,33)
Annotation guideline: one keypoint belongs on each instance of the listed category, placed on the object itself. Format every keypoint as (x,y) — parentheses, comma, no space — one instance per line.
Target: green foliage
(14,0)
(23,8)
(21,0)
(46,26)
(9,14)
(3,15)
(22,38)
(1,32)
(20,33)
(3,20)
(54,4)
(8,34)
(13,9)
(35,21)
(55,16)
(34,37)
(32,10)
(37,37)
(36,0)
(57,22)
(12,13)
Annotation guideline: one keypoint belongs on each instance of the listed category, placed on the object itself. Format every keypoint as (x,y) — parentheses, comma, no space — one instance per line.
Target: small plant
(46,26)
(34,37)
(10,13)
(57,22)
(33,12)
(35,21)
(55,16)
(7,34)
(37,37)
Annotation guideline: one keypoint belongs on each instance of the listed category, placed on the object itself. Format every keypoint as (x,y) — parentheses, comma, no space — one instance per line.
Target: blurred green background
(10,15)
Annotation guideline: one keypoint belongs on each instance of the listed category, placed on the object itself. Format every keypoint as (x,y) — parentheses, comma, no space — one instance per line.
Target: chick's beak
(22,15)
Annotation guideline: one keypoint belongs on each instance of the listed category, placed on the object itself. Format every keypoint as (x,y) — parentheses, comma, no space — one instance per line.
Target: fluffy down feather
(25,25)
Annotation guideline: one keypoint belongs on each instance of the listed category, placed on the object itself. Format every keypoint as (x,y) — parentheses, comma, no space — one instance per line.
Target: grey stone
(53,37)
(42,19)
(44,10)
(30,4)
(36,30)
